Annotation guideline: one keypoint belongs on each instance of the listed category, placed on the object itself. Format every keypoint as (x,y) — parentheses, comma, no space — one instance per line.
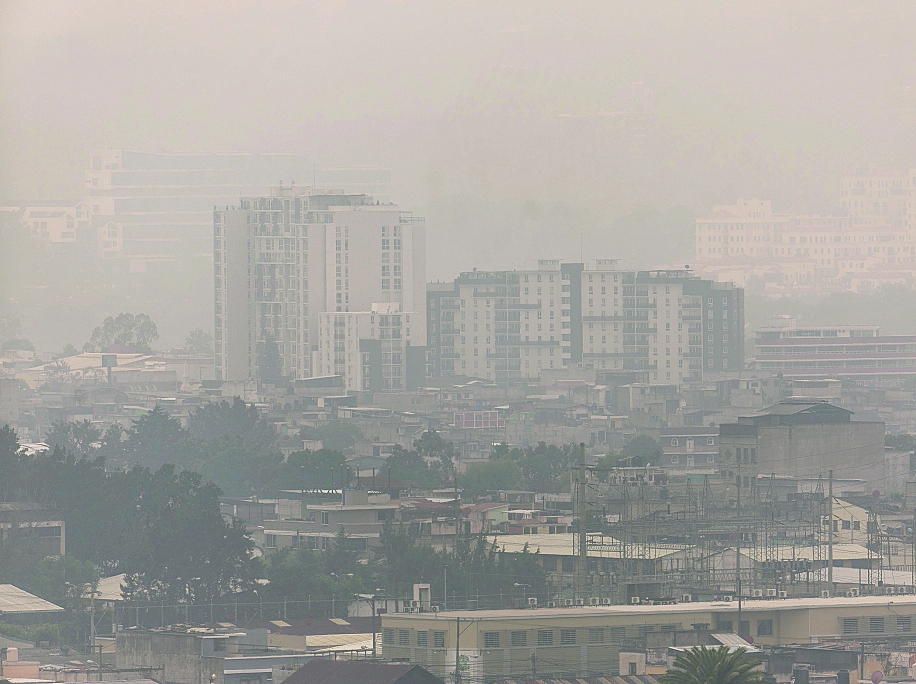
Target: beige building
(372,350)
(281,261)
(587,640)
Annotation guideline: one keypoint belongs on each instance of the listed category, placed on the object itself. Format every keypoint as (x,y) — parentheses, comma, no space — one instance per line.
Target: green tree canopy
(125,331)
(199,342)
(702,665)
(642,450)
(497,473)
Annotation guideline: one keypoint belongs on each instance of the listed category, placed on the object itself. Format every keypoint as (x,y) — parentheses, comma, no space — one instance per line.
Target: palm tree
(701,665)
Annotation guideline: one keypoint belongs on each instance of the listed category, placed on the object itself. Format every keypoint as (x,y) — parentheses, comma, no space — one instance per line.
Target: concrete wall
(178,654)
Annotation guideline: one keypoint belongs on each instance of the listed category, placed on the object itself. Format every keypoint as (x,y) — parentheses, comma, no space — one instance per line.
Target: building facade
(372,350)
(583,641)
(833,351)
(281,261)
(800,438)
(511,325)
(153,206)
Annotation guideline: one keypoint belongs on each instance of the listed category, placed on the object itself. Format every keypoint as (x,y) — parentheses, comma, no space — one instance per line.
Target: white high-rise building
(283,260)
(373,350)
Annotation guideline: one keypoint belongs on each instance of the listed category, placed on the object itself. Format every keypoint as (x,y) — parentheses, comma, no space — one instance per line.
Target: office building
(833,351)
(282,260)
(157,206)
(511,325)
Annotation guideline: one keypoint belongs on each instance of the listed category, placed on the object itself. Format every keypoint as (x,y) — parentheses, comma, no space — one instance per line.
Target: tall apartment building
(511,325)
(372,350)
(833,351)
(159,205)
(282,260)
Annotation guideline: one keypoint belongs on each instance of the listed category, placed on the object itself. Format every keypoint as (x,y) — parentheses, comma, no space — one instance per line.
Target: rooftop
(758,605)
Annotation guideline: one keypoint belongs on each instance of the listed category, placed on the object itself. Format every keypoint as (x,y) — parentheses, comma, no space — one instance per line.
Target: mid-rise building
(282,260)
(372,350)
(800,438)
(511,325)
(833,351)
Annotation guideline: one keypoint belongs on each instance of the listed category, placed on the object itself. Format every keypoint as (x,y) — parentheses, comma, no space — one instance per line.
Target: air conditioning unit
(686,598)
(605,602)
(757,593)
(727,598)
(580,602)
(782,594)
(594,601)
(771,593)
(532,602)
(567,602)
(551,604)
(415,604)
(853,592)
(825,594)
(635,600)
(434,608)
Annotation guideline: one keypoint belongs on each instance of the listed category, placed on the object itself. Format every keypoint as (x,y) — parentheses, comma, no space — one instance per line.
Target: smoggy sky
(490,102)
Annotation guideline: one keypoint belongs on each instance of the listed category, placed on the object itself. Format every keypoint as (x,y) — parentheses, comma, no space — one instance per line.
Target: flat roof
(748,605)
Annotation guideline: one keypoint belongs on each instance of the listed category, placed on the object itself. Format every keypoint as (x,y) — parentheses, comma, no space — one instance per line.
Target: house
(15,603)
(351,671)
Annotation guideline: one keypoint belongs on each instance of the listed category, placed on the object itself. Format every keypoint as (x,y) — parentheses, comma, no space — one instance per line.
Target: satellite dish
(877,676)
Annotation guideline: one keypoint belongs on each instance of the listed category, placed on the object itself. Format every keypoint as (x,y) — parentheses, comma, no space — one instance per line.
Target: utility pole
(457,650)
(830,532)
(580,515)
(738,543)
(534,666)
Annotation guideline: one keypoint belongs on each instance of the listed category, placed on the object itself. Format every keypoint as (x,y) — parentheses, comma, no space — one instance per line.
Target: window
(519,638)
(403,637)
(876,624)
(325,518)
(724,626)
(491,639)
(596,635)
(674,441)
(387,636)
(567,636)
(710,441)
(645,629)
(617,633)
(764,628)
(545,637)
(422,638)
(439,639)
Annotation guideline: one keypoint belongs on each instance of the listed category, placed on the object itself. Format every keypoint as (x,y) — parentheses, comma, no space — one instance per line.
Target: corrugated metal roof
(320,671)
(15,600)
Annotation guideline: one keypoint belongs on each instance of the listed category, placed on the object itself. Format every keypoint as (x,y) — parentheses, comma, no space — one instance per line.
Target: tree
(68,350)
(10,463)
(184,549)
(270,365)
(439,453)
(125,331)
(20,344)
(335,435)
(155,439)
(199,342)
(641,450)
(545,467)
(497,473)
(238,419)
(77,438)
(702,665)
